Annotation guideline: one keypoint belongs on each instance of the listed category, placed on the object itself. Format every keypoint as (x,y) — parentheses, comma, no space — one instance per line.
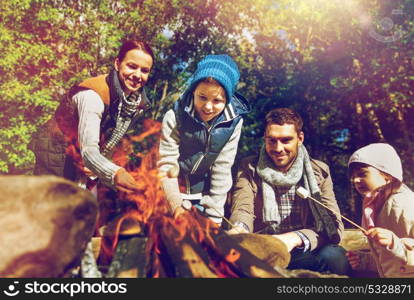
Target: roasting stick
(187,205)
(224,218)
(304,194)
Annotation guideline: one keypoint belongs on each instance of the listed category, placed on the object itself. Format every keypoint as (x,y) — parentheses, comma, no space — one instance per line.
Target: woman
(92,119)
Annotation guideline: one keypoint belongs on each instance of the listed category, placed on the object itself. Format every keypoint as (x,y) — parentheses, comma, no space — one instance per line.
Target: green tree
(343,65)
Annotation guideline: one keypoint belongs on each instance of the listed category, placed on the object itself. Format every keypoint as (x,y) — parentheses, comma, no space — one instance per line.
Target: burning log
(129,259)
(193,246)
(46,224)
(266,248)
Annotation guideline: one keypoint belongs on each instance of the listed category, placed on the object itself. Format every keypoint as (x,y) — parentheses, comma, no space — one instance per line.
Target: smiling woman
(133,68)
(91,120)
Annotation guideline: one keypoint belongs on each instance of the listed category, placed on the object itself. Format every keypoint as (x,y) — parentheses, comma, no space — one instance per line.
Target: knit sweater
(90,109)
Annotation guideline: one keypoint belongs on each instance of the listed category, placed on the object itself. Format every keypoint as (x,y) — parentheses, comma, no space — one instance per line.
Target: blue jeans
(329,258)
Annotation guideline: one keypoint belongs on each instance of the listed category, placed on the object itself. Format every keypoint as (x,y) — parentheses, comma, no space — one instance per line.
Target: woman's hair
(134,44)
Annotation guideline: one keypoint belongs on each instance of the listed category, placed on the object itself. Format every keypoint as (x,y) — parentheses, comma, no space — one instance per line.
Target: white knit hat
(380,156)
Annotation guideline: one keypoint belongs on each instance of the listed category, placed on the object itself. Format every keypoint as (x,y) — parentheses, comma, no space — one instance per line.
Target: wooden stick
(224,218)
(187,206)
(304,194)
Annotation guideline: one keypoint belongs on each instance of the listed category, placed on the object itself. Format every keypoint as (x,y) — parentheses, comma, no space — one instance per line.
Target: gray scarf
(271,177)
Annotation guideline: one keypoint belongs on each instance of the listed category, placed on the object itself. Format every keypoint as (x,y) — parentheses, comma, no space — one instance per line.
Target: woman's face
(134,70)
(209,100)
(367,179)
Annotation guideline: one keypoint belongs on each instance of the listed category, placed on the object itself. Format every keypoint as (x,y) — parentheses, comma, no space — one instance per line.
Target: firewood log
(46,223)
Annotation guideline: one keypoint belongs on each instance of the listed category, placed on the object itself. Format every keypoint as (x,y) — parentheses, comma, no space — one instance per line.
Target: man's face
(282,144)
(134,70)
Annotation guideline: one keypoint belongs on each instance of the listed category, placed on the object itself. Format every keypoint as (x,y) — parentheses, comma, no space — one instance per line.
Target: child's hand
(178,212)
(353,259)
(380,236)
(237,230)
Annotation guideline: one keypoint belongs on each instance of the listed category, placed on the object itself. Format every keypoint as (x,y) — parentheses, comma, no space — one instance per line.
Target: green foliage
(323,58)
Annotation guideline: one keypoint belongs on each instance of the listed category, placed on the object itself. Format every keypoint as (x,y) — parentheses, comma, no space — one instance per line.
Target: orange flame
(233,256)
(151,210)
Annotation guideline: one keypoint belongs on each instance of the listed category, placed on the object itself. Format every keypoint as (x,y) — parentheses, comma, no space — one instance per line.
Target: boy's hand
(381,236)
(178,211)
(353,259)
(237,230)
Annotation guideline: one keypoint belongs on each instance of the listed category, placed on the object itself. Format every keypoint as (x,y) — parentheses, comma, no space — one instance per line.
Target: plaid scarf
(126,109)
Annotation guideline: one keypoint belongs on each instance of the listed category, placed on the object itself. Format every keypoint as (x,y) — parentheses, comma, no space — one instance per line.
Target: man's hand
(353,259)
(124,181)
(290,239)
(380,236)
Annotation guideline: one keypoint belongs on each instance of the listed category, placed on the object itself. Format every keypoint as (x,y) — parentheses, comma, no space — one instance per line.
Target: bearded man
(264,198)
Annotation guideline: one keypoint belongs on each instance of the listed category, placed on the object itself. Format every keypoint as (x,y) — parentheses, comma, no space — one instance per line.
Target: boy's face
(367,179)
(209,100)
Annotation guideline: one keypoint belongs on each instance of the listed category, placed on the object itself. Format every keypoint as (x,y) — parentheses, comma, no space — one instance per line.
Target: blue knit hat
(222,68)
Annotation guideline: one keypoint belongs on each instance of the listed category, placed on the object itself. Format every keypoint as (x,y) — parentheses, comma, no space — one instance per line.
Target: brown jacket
(247,201)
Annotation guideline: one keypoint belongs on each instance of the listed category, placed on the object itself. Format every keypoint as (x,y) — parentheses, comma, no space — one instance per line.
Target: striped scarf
(127,108)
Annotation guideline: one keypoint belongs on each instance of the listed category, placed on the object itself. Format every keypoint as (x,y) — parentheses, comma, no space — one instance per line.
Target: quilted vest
(58,138)
(199,145)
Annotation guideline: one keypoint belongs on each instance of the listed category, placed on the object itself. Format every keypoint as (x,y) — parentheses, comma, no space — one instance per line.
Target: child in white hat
(388,212)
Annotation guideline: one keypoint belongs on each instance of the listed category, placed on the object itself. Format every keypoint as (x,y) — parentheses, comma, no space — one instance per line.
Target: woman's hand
(178,211)
(124,181)
(87,172)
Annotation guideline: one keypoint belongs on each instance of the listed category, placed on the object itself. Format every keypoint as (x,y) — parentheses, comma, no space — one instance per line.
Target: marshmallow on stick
(304,194)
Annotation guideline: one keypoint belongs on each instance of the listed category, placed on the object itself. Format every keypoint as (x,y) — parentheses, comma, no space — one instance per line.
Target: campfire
(143,240)
(146,241)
